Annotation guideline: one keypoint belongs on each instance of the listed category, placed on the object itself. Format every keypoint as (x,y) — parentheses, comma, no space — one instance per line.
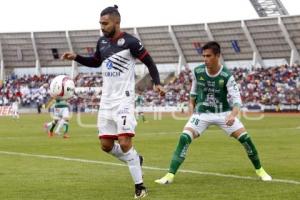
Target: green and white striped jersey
(61,104)
(139,100)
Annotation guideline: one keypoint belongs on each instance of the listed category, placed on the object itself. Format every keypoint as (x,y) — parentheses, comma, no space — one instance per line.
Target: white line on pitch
(144,167)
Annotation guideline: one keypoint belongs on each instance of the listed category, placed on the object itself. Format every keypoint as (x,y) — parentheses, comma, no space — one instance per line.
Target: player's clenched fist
(160,89)
(68,56)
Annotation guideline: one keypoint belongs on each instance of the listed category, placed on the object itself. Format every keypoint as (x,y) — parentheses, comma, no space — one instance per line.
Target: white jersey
(117,59)
(118,73)
(15,106)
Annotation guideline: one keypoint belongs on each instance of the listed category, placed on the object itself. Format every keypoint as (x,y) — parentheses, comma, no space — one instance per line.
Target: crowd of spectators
(270,86)
(177,91)
(267,86)
(262,86)
(28,90)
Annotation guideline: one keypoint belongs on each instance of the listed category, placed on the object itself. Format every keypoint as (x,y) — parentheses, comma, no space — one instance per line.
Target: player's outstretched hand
(160,89)
(68,56)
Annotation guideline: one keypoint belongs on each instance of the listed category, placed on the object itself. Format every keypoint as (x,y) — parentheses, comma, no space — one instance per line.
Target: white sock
(60,125)
(50,123)
(133,161)
(117,152)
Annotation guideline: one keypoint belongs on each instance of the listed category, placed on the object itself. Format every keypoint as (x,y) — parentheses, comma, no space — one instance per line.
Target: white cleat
(167,179)
(263,175)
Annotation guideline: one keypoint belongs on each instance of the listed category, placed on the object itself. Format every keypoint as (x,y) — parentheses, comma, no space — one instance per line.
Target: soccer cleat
(167,179)
(58,133)
(140,191)
(263,174)
(66,136)
(50,134)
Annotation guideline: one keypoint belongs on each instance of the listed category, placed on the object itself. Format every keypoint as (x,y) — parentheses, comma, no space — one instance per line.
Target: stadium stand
(267,48)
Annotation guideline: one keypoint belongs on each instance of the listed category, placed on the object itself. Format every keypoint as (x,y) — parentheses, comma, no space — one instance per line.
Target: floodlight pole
(181,58)
(268,8)
(295,58)
(74,70)
(257,60)
(37,59)
(1,64)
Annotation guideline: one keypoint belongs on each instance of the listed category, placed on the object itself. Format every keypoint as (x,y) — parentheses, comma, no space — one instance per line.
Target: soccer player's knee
(246,141)
(185,138)
(125,146)
(105,147)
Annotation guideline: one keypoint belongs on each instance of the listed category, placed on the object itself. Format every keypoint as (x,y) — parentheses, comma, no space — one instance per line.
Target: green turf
(35,178)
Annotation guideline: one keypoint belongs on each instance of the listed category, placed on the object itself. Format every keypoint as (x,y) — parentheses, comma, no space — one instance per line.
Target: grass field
(34,167)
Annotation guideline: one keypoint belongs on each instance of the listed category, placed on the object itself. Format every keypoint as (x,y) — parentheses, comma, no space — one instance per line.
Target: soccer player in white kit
(15,108)
(116,52)
(209,101)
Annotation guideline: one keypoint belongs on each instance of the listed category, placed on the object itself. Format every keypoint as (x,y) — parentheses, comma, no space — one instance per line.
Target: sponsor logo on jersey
(121,42)
(201,84)
(221,82)
(109,65)
(112,74)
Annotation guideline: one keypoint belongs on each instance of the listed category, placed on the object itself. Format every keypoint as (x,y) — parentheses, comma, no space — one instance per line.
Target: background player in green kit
(139,103)
(212,86)
(60,117)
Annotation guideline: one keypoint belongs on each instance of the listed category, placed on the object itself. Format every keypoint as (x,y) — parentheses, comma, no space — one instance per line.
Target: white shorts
(59,113)
(117,121)
(200,122)
(14,110)
(139,109)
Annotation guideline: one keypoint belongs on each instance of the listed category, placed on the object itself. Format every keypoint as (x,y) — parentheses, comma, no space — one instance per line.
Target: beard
(109,34)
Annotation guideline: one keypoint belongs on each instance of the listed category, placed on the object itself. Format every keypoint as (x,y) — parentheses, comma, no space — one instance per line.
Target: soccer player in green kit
(61,116)
(211,86)
(139,102)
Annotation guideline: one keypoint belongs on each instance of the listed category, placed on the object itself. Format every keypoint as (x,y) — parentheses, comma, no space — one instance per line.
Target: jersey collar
(217,74)
(118,37)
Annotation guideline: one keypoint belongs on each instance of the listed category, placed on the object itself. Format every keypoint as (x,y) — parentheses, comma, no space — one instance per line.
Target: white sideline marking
(144,167)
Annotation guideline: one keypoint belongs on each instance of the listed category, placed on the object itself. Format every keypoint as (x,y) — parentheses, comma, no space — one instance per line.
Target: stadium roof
(255,39)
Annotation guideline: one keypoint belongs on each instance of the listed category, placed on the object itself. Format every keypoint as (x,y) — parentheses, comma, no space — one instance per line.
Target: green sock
(143,118)
(245,140)
(53,126)
(66,126)
(180,152)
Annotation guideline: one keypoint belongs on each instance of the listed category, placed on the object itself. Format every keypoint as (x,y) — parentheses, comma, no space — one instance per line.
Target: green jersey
(61,104)
(211,92)
(139,101)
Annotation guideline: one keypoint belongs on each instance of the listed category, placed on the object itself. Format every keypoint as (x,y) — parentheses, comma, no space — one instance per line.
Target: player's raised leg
(133,160)
(125,152)
(49,127)
(123,149)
